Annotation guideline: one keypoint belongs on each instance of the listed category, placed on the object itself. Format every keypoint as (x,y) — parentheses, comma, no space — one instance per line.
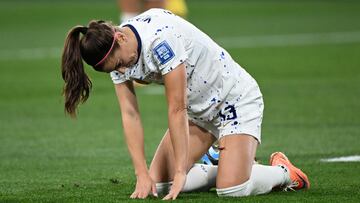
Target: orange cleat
(299,180)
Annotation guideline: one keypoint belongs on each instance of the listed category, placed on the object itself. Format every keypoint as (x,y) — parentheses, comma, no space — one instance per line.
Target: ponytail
(77,84)
(94,45)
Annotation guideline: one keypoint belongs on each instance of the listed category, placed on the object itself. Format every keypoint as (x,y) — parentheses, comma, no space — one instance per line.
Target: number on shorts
(229,113)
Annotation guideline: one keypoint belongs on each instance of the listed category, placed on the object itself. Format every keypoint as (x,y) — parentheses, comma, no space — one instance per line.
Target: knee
(241,190)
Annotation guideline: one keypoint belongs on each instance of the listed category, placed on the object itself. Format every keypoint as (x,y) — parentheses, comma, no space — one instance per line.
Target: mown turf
(311,97)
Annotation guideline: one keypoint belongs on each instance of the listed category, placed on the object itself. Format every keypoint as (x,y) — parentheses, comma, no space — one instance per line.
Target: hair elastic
(107,54)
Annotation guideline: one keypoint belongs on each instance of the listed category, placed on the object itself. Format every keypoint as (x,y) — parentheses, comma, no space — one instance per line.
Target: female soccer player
(209,96)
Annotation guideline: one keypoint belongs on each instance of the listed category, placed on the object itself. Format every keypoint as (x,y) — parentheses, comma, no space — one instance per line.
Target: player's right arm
(134,136)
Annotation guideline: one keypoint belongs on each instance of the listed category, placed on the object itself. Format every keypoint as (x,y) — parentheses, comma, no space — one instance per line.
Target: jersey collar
(132,28)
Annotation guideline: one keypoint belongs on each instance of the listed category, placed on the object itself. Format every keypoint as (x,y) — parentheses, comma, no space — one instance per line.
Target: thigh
(162,166)
(236,159)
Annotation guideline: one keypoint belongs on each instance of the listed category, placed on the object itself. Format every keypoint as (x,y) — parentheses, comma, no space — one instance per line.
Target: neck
(134,39)
(130,35)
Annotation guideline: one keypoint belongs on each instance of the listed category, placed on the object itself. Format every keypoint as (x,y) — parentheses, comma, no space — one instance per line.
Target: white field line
(227,42)
(30,53)
(354,158)
(290,40)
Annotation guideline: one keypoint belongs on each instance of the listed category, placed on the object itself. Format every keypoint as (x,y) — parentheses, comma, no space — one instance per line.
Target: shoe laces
(291,187)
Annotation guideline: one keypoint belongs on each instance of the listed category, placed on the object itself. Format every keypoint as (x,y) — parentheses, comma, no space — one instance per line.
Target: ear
(120,37)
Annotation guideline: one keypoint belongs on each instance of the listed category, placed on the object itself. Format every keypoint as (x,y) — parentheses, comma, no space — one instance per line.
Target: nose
(121,69)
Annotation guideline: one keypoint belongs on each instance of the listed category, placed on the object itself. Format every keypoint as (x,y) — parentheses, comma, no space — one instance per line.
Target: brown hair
(92,47)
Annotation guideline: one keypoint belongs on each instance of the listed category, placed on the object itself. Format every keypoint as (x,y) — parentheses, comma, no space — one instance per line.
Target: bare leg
(154,4)
(128,9)
(162,165)
(130,6)
(236,160)
(238,176)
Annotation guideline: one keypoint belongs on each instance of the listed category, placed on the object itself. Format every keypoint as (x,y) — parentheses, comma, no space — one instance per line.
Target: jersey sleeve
(169,51)
(117,77)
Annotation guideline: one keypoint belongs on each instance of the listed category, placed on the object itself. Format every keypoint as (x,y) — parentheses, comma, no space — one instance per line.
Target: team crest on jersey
(164,52)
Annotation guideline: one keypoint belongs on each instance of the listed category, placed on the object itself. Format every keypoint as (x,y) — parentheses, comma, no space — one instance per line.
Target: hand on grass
(144,187)
(178,184)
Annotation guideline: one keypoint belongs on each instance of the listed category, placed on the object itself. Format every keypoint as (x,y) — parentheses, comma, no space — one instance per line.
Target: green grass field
(310,79)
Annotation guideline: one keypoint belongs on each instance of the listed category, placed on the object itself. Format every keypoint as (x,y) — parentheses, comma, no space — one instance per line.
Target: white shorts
(241,115)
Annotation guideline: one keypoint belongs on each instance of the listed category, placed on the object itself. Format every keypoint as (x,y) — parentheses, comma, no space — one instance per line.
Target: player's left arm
(175,90)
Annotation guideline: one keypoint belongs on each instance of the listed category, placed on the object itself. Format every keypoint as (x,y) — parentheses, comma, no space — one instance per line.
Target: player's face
(124,56)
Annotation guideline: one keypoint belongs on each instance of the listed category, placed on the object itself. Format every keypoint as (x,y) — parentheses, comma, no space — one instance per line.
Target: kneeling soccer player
(210,97)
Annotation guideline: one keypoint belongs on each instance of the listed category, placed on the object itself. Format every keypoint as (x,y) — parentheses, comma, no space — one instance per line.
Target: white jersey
(166,41)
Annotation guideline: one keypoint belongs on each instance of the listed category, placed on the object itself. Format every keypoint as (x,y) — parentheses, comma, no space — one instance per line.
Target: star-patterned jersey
(166,41)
